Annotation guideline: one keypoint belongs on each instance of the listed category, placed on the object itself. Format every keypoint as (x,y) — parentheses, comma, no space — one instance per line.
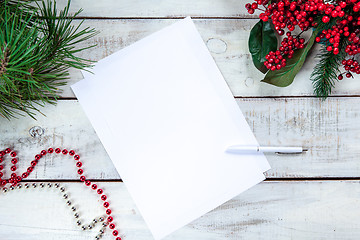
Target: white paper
(165,116)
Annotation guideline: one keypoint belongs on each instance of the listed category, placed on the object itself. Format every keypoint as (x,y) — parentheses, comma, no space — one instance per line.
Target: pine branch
(326,72)
(37,48)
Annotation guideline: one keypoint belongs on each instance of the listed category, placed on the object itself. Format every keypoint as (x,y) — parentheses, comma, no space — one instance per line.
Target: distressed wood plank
(227,42)
(159,8)
(329,128)
(270,210)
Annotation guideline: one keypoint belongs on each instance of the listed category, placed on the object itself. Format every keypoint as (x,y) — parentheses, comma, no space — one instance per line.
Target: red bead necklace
(16,179)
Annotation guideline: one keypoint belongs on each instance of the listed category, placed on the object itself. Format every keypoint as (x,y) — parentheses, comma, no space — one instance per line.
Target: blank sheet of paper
(165,116)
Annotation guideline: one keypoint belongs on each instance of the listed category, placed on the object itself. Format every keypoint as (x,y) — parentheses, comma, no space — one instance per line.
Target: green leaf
(285,76)
(262,40)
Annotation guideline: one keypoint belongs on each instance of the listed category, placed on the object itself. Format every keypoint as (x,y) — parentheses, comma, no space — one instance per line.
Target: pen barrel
(254,149)
(281,149)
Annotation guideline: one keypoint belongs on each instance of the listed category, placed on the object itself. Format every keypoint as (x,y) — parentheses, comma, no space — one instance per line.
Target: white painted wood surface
(227,40)
(270,210)
(327,128)
(160,8)
(292,208)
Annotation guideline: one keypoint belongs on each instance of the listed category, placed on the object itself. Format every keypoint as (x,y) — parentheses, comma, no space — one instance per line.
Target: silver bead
(76,215)
(11,188)
(42,185)
(5,190)
(95,221)
(73,208)
(62,189)
(101,219)
(104,224)
(57,185)
(68,203)
(97,237)
(102,230)
(19,186)
(90,226)
(49,185)
(78,222)
(65,196)
(34,185)
(27,185)
(83,227)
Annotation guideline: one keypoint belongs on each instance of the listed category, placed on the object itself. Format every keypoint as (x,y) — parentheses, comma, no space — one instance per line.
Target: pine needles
(37,48)
(326,72)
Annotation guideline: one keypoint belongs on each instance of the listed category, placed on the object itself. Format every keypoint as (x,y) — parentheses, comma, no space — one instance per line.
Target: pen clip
(288,153)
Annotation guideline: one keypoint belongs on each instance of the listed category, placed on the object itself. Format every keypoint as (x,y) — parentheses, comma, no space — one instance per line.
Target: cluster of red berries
(345,28)
(276,60)
(350,65)
(287,14)
(332,37)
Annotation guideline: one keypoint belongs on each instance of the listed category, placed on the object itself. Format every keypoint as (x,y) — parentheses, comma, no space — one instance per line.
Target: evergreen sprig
(326,71)
(37,48)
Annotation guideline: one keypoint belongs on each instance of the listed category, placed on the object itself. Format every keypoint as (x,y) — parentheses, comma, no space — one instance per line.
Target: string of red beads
(15,179)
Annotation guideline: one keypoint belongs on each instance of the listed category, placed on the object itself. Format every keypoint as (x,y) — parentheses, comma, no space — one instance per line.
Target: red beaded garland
(15,179)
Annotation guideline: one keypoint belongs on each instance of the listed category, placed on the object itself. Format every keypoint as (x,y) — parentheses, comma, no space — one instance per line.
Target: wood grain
(270,210)
(227,40)
(328,128)
(159,8)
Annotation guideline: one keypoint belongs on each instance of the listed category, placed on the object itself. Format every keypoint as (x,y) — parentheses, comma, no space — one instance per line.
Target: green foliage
(327,70)
(285,76)
(262,40)
(37,48)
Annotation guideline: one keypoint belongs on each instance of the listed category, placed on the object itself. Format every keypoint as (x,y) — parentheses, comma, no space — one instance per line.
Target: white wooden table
(310,196)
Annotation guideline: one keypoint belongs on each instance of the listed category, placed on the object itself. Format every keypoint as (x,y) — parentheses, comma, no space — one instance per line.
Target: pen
(262,149)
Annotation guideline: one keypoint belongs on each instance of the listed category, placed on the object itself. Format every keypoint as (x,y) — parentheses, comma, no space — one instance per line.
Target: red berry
(325,19)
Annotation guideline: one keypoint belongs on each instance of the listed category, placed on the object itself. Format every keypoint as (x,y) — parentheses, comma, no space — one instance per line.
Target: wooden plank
(329,128)
(270,210)
(227,41)
(159,9)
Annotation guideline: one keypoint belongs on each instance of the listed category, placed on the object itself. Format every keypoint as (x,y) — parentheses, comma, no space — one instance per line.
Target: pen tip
(305,149)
